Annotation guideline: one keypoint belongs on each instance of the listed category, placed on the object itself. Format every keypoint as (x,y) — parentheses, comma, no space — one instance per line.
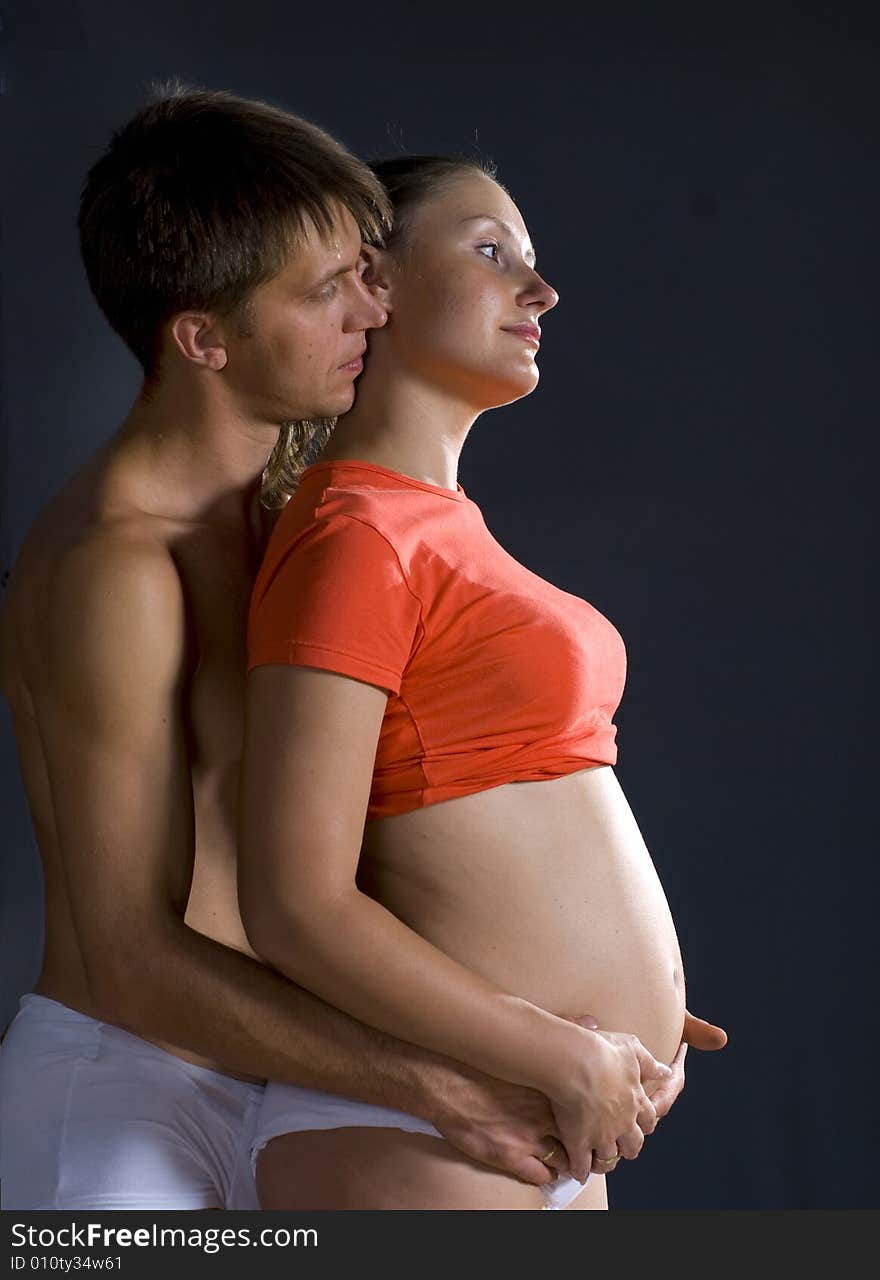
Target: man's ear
(199,338)
(376,273)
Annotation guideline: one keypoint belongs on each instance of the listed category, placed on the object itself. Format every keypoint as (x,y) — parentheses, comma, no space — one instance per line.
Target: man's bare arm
(111,719)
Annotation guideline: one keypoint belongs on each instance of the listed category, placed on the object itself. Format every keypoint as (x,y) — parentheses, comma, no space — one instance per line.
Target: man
(222,241)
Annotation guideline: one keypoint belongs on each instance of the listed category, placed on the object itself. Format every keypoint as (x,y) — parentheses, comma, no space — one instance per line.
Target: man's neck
(194,462)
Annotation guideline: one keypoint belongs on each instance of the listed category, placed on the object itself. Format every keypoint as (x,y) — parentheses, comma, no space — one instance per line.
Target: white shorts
(92,1117)
(288,1109)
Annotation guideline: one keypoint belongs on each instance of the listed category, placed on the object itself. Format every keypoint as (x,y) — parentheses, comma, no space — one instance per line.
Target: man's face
(306,332)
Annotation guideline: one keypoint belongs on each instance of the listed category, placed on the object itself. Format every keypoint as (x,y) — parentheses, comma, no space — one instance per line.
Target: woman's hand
(597,1090)
(699,1035)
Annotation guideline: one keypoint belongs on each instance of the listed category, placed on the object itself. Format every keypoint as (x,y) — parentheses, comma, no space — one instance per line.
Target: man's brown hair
(201,197)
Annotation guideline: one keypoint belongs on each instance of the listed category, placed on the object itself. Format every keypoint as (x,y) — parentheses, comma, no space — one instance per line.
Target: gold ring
(599,1159)
(549,1156)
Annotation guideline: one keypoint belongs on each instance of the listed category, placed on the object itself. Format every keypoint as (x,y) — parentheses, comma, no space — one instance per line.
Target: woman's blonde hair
(298,445)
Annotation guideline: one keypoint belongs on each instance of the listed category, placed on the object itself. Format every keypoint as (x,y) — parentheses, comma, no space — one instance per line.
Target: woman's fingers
(646,1120)
(627,1147)
(583,1020)
(649,1067)
(629,1144)
(612,1099)
(665,1094)
(580,1158)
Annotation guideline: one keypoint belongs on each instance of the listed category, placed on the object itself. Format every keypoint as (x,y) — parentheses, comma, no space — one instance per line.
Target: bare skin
(122,658)
(472,926)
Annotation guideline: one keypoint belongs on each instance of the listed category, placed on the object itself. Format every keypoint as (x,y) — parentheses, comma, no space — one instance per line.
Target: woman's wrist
(563,1047)
(543,1046)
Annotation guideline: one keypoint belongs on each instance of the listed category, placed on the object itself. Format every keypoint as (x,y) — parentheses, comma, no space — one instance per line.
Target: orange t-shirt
(493,674)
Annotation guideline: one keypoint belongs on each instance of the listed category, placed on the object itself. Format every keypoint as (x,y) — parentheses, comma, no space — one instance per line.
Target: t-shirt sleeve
(336,599)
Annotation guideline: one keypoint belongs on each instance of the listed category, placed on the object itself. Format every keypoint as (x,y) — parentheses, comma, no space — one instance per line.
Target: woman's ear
(375,272)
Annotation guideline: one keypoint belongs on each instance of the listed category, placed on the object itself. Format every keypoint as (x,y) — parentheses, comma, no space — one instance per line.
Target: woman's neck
(405,425)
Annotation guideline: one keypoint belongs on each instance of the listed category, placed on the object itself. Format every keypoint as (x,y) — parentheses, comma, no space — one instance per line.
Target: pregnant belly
(547,890)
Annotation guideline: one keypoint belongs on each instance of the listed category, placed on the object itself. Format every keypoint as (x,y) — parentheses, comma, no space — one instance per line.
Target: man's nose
(371,313)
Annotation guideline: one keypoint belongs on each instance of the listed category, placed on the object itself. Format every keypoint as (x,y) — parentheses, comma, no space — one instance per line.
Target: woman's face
(465,300)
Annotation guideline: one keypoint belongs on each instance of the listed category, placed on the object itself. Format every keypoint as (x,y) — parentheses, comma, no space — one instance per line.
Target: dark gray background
(701,184)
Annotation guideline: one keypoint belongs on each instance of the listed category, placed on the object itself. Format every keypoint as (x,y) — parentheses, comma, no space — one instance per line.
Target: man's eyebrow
(330,275)
(505,226)
(354,257)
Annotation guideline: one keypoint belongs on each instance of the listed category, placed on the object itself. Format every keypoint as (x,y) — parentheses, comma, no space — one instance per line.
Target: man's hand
(502,1125)
(499,1124)
(699,1035)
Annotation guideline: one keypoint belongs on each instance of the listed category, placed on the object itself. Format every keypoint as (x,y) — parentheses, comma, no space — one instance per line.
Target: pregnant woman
(432,834)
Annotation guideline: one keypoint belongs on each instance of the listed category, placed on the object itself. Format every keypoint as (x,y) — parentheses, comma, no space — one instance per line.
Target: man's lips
(355,365)
(530,332)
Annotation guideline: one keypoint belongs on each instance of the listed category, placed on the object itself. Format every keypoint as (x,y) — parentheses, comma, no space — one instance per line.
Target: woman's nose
(548,295)
(537,290)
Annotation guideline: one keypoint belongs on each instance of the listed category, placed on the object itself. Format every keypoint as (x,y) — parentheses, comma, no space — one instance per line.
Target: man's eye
(490,244)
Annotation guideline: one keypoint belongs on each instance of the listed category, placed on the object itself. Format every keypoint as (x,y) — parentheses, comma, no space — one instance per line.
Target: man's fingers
(556,1158)
(552,1154)
(702,1035)
(605,1161)
(531,1169)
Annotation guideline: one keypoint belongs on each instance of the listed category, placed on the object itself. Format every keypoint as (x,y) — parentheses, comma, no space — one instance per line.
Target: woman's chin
(513,388)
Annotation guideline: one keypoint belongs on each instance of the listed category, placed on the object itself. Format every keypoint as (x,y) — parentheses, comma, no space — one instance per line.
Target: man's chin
(324,414)
(342,404)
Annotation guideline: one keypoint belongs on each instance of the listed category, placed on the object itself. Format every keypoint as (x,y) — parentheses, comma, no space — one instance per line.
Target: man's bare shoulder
(120,575)
(126,559)
(132,554)
(74,605)
(92,530)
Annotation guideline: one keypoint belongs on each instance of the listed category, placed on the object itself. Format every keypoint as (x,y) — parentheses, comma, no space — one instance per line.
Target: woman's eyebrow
(505,226)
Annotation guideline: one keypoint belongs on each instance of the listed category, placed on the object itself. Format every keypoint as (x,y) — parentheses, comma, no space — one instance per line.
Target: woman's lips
(353,366)
(528,332)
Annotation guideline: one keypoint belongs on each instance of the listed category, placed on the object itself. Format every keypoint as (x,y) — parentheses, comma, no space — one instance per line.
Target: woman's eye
(327,292)
(490,244)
